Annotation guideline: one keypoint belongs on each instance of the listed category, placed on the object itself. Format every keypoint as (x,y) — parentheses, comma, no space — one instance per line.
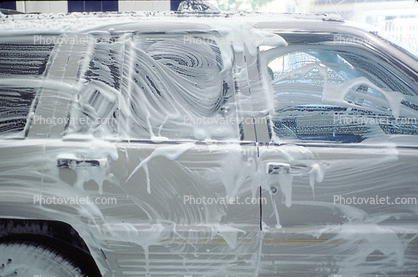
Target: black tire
(26,259)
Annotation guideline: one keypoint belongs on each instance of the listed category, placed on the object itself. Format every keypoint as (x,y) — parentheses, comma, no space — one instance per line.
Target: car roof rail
(197,6)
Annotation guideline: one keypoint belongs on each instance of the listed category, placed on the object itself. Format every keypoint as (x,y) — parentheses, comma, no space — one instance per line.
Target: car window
(156,87)
(19,57)
(338,94)
(15,105)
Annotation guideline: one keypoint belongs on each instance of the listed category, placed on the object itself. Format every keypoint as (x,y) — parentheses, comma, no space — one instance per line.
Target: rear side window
(339,95)
(15,105)
(20,57)
(24,56)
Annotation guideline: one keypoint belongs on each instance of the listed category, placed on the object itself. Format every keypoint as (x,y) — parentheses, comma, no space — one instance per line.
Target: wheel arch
(57,235)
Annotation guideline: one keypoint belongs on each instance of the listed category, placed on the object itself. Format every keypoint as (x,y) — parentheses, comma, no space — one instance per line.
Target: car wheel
(30,260)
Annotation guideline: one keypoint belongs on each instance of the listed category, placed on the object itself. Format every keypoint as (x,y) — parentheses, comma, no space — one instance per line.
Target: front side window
(339,94)
(158,87)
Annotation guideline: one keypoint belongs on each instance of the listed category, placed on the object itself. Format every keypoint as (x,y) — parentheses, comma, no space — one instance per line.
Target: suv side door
(156,127)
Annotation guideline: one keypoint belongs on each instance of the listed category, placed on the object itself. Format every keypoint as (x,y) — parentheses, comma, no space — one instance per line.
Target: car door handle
(285,168)
(73,163)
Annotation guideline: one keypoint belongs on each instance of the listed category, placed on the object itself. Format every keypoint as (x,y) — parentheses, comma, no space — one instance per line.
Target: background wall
(89,6)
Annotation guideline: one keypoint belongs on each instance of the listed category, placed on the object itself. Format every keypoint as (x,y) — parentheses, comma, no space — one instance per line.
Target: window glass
(15,105)
(20,57)
(338,95)
(158,87)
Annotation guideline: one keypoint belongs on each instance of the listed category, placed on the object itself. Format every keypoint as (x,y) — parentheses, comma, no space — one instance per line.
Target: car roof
(140,21)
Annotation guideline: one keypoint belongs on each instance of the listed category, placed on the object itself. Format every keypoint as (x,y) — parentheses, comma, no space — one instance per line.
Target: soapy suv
(208,144)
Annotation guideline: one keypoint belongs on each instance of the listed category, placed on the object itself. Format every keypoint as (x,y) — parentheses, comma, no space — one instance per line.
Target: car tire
(25,259)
